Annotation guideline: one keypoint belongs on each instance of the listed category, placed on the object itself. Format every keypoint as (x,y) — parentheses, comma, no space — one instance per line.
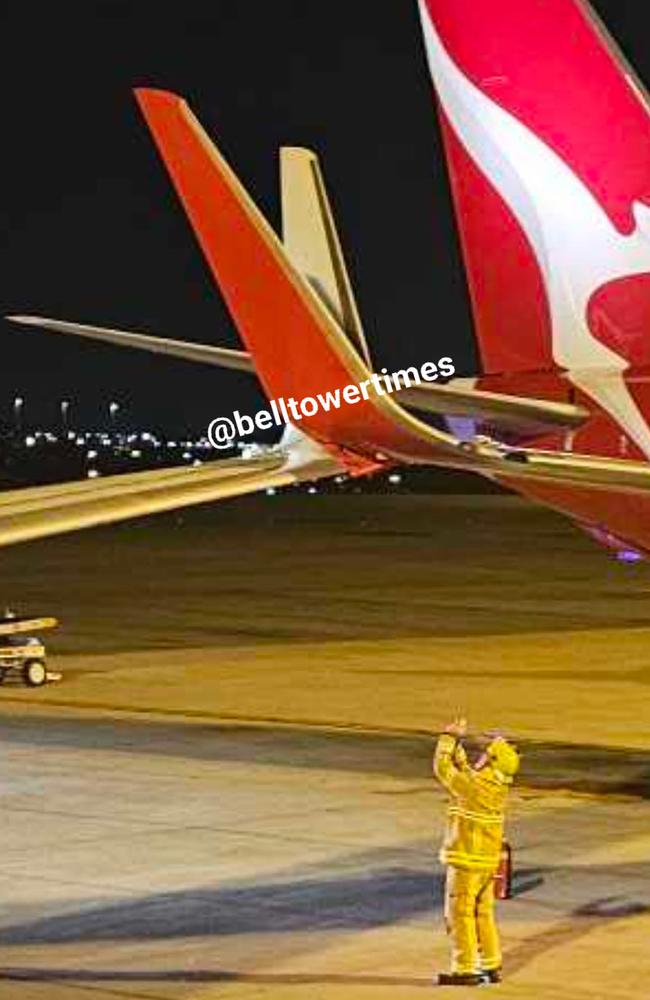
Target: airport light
(18,414)
(113,410)
(65,406)
(30,441)
(92,473)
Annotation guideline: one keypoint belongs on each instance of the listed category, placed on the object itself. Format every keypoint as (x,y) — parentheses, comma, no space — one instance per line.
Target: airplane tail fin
(547,134)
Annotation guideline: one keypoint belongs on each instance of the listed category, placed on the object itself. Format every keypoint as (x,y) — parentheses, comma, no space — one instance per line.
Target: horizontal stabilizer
(518,467)
(206,354)
(511,413)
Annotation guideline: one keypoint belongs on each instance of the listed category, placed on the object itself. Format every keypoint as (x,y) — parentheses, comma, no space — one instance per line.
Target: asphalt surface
(149,859)
(229,794)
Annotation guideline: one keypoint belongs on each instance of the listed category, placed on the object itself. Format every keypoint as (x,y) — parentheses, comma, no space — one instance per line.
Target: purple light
(629,556)
(622,550)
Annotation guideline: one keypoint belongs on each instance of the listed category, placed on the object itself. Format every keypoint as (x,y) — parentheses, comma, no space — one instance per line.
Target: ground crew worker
(471,851)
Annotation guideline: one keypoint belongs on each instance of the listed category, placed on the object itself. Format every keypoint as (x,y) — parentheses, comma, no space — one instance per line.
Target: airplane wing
(312,243)
(512,413)
(37,512)
(204,353)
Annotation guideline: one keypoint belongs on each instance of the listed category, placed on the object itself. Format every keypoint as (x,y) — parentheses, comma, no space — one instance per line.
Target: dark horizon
(91,227)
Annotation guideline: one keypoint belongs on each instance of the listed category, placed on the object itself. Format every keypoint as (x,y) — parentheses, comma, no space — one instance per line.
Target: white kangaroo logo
(577,246)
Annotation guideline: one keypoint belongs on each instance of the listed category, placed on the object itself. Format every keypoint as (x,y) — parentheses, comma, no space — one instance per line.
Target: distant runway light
(271,491)
(395,479)
(30,441)
(93,473)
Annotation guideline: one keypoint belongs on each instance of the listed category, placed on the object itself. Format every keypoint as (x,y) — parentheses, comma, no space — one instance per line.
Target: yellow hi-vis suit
(471,850)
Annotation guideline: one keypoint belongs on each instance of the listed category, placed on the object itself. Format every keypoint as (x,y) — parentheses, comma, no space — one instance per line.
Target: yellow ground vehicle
(22,653)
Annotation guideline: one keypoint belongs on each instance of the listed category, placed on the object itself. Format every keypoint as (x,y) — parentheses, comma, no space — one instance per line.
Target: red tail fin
(548,140)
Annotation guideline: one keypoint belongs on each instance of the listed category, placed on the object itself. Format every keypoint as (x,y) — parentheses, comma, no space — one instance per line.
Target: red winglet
(297,348)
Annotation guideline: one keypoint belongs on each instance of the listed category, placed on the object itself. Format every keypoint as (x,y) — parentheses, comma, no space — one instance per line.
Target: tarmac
(229,794)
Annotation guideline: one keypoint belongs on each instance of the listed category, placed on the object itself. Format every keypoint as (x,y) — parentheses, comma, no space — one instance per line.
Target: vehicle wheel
(34,673)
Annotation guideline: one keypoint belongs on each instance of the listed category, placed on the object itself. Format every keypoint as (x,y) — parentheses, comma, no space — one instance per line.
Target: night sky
(90,226)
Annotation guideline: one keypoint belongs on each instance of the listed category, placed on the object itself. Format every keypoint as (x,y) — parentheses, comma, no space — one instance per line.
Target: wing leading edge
(38,512)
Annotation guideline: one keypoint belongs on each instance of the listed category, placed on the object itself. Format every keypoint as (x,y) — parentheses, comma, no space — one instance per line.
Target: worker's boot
(492,975)
(461,979)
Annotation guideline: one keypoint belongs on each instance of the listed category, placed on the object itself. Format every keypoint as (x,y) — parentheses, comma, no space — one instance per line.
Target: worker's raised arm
(450,760)
(460,758)
(444,767)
